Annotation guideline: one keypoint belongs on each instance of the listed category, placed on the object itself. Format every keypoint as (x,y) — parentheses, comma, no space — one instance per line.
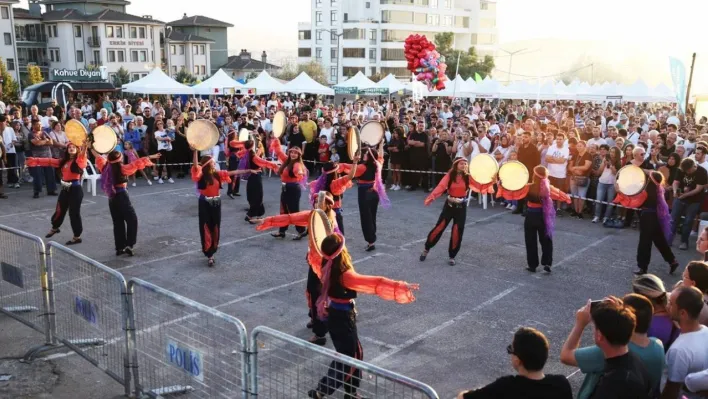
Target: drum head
(631,180)
(483,168)
(321,200)
(243,135)
(202,135)
(353,142)
(104,139)
(513,175)
(279,123)
(319,229)
(372,133)
(76,132)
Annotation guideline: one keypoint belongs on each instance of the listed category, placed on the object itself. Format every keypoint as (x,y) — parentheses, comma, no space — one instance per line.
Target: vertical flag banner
(678,76)
(477,78)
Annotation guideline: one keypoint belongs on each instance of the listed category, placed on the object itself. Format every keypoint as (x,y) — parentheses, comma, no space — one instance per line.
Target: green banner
(354,90)
(74,74)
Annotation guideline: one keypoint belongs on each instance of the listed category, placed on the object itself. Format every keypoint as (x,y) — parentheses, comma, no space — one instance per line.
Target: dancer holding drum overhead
(635,190)
(541,214)
(293,175)
(340,286)
(249,160)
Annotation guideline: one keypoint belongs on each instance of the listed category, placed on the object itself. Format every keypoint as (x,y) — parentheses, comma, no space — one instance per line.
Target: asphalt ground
(453,337)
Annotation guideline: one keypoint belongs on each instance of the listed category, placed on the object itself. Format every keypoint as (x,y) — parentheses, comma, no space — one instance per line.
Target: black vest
(369,174)
(337,290)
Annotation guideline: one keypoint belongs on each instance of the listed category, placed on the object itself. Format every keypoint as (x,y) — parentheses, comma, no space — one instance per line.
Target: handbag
(581,181)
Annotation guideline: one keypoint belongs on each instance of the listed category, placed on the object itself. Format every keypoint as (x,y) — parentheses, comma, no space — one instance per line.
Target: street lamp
(338,49)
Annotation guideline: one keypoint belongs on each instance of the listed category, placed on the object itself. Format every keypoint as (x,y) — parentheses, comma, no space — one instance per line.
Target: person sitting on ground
(529,352)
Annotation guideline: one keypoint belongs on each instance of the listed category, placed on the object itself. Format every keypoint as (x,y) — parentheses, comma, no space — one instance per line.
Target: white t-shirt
(633,137)
(598,142)
(697,382)
(703,165)
(607,177)
(461,151)
(558,170)
(163,145)
(288,104)
(673,120)
(329,133)
(272,103)
(690,147)
(688,354)
(484,142)
(503,151)
(8,136)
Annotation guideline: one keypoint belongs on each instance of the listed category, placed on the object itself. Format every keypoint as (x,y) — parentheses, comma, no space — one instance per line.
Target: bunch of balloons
(426,63)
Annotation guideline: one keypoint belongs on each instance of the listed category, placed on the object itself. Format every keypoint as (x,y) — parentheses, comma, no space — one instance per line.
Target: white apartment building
(8,51)
(370,34)
(188,52)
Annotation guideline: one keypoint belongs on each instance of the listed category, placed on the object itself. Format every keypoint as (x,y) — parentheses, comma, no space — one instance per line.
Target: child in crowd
(334,157)
(323,151)
(132,155)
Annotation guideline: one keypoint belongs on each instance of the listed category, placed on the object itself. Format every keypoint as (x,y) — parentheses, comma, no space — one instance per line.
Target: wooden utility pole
(690,80)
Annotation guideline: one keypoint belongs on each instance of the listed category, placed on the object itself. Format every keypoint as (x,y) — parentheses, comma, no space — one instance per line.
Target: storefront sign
(74,74)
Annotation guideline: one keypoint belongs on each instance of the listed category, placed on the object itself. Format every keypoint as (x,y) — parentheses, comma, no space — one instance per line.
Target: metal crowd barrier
(284,366)
(24,294)
(183,347)
(89,307)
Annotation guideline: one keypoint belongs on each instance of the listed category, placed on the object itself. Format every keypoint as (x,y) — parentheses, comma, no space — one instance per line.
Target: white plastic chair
(92,178)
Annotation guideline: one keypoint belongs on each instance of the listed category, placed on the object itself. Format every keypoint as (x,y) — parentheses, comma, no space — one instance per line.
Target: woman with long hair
(293,175)
(231,150)
(456,183)
(670,170)
(335,183)
(340,286)
(611,163)
(114,182)
(209,181)
(249,159)
(654,223)
(372,192)
(71,167)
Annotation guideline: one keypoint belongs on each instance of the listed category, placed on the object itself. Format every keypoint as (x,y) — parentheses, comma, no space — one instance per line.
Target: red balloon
(416,63)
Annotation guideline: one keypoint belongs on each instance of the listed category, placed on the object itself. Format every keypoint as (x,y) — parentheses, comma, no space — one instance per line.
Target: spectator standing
(11,142)
(308,128)
(41,147)
(689,353)
(688,194)
(528,352)
(696,275)
(418,156)
(557,158)
(580,177)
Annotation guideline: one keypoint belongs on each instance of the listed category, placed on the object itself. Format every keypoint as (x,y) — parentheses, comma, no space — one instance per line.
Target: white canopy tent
(156,82)
(358,81)
(391,84)
(217,84)
(303,83)
(453,88)
(264,83)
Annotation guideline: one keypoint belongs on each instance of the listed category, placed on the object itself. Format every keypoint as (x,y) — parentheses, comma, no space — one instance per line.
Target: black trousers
(235,184)
(313,292)
(166,158)
(12,176)
(368,206)
(254,195)
(290,203)
(69,201)
(421,163)
(456,214)
(125,221)
(340,219)
(209,225)
(535,232)
(342,330)
(650,232)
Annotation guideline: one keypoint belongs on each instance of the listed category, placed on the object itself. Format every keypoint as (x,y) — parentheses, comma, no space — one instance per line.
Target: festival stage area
(453,337)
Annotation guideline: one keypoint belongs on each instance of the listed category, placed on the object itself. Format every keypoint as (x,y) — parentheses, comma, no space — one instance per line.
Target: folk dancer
(114,182)
(250,159)
(72,166)
(293,175)
(340,286)
(333,182)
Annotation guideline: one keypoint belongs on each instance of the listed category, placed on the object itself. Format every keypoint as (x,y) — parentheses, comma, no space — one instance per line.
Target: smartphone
(593,305)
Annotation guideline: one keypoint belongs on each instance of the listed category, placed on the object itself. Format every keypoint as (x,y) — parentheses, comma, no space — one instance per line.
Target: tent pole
(690,80)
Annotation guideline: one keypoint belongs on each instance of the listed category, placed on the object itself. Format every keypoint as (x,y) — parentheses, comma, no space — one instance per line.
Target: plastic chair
(274,159)
(92,178)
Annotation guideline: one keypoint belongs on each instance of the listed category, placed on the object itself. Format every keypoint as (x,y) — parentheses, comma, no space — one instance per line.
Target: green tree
(251,75)
(377,77)
(314,69)
(185,77)
(469,61)
(10,87)
(34,75)
(121,77)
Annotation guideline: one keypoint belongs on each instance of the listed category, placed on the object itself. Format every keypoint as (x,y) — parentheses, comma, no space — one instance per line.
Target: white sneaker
(508,206)
(156,178)
(513,208)
(134,184)
(30,179)
(17,185)
(170,181)
(159,181)
(595,219)
(149,183)
(604,220)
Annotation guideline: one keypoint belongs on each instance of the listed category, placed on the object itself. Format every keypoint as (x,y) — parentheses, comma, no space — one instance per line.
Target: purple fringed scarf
(549,211)
(380,188)
(662,213)
(243,165)
(107,181)
(304,178)
(316,186)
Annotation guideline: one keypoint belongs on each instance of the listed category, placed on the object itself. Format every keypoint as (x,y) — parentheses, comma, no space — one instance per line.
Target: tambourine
(372,133)
(631,180)
(244,135)
(483,169)
(280,121)
(353,142)
(319,228)
(513,175)
(321,202)
(76,132)
(202,135)
(104,139)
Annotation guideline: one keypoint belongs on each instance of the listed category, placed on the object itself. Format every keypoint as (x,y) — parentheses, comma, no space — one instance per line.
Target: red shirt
(212,189)
(324,152)
(66,172)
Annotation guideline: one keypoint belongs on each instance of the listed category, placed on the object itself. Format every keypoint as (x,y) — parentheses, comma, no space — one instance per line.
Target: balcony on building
(29,34)
(93,41)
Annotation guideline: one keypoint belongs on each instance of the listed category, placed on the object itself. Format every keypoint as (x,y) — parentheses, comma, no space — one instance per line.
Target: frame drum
(202,135)
(321,200)
(631,180)
(513,175)
(483,168)
(353,142)
(372,133)
(76,132)
(279,124)
(319,229)
(243,135)
(104,139)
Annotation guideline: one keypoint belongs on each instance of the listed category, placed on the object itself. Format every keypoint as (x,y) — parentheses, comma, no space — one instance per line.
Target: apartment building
(208,28)
(8,52)
(348,36)
(187,52)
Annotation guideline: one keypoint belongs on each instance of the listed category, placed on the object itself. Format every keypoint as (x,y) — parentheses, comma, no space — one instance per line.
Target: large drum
(76,132)
(483,169)
(319,229)
(353,142)
(244,135)
(513,175)
(104,139)
(280,121)
(631,180)
(202,135)
(372,133)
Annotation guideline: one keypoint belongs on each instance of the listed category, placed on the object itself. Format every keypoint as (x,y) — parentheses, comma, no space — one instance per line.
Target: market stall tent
(220,83)
(303,83)
(156,82)
(264,84)
(355,83)
(391,84)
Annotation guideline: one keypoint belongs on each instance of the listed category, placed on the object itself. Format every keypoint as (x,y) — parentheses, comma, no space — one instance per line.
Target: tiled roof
(237,63)
(181,37)
(200,20)
(103,16)
(23,13)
